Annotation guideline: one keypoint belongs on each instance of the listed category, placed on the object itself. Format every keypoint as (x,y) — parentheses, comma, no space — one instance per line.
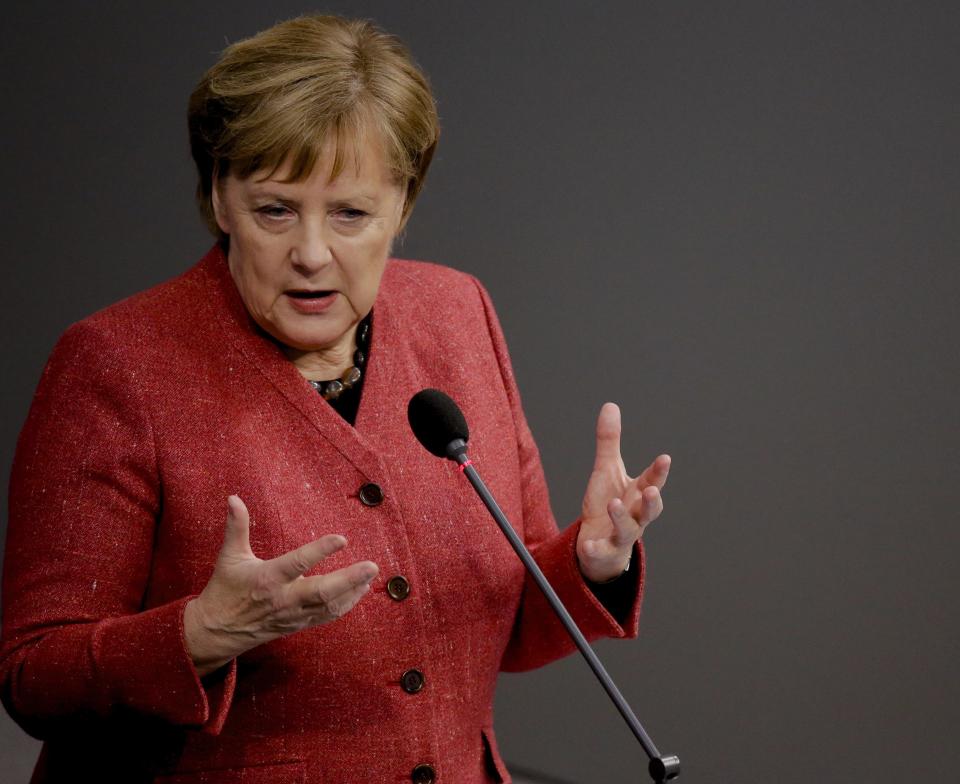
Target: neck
(327,363)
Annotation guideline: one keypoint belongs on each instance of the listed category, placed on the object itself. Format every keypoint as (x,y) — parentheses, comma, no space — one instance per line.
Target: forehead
(337,160)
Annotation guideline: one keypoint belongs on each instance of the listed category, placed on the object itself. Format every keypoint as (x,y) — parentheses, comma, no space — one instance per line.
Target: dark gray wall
(739,220)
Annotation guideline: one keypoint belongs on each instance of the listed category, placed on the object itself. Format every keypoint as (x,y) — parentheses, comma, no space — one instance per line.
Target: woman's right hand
(248,601)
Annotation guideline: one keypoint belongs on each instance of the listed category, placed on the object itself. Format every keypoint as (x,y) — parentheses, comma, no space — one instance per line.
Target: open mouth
(302,294)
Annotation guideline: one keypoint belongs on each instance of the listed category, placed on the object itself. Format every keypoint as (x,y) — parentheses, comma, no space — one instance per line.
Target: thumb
(236,537)
(608,436)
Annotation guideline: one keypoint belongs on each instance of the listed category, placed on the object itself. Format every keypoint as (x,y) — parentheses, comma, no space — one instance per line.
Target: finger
(608,436)
(329,589)
(626,529)
(656,473)
(598,550)
(646,507)
(343,604)
(603,559)
(293,564)
(236,537)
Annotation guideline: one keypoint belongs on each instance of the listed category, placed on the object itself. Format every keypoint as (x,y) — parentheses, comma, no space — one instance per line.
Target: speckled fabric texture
(148,415)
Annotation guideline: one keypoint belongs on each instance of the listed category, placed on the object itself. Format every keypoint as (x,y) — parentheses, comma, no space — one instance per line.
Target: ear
(217,201)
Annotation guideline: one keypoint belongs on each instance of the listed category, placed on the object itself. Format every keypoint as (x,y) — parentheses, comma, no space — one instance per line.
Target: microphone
(439,424)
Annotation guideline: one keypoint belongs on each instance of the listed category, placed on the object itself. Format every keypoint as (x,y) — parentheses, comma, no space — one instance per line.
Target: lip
(302,301)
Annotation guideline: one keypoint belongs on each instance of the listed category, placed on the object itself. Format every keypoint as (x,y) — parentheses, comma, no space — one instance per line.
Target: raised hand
(616,508)
(248,601)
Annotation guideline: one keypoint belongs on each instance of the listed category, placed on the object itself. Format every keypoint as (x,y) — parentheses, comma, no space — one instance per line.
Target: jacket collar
(383,385)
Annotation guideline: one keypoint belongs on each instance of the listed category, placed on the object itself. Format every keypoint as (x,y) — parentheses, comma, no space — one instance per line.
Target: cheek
(257,275)
(373,273)
(367,261)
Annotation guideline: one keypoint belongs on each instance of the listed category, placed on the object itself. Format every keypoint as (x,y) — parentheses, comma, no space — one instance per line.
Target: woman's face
(307,257)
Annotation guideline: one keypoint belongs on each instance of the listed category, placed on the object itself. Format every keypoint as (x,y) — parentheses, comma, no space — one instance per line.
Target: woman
(349,622)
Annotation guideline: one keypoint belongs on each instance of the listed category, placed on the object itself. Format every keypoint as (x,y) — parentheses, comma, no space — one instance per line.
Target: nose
(311,249)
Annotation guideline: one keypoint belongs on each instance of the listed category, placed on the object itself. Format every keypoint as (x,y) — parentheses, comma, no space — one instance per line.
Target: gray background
(736,219)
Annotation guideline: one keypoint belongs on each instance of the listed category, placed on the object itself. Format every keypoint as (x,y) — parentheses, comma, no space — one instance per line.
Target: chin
(306,340)
(302,342)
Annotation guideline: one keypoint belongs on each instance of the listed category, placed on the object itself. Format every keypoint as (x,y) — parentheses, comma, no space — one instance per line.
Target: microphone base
(664,768)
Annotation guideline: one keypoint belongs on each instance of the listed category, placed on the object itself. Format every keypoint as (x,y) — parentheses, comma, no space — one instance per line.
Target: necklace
(331,390)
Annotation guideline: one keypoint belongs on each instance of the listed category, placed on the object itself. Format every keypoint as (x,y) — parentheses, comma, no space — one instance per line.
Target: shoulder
(145,322)
(428,278)
(145,313)
(436,298)
(426,289)
(434,303)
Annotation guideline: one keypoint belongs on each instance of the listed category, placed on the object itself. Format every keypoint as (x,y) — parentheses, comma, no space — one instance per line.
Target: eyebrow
(260,192)
(360,197)
(267,194)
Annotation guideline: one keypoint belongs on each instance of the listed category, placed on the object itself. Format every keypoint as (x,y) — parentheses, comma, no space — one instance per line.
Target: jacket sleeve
(538,636)
(85,495)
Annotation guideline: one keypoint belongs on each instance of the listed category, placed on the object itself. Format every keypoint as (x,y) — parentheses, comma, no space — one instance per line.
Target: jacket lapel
(228,316)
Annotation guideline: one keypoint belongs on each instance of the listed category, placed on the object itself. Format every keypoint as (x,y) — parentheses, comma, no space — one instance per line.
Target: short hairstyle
(277,98)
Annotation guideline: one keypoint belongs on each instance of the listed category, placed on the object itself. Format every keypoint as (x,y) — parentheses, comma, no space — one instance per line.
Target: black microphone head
(436,421)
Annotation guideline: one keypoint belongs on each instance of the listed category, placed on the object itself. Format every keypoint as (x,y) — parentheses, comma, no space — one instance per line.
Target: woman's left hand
(616,508)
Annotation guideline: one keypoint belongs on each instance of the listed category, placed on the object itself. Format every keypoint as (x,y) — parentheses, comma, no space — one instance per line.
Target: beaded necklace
(331,390)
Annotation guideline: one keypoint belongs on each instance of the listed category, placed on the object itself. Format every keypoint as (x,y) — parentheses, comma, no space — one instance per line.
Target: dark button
(423,774)
(371,494)
(412,681)
(398,588)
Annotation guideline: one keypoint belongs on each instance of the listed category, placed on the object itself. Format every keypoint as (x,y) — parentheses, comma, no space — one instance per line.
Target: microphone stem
(554,600)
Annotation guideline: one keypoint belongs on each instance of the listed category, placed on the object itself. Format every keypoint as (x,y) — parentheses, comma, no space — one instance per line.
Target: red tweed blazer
(148,415)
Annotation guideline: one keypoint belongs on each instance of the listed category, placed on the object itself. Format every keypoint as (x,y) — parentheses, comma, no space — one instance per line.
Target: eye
(350,214)
(274,211)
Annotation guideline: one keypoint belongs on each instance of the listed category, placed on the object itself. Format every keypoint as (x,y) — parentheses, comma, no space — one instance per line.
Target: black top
(348,401)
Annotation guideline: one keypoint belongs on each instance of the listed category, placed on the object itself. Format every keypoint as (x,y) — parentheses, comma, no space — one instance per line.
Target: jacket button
(398,588)
(371,494)
(412,681)
(423,774)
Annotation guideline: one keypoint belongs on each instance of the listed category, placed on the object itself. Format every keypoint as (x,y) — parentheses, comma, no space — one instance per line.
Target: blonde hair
(277,98)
